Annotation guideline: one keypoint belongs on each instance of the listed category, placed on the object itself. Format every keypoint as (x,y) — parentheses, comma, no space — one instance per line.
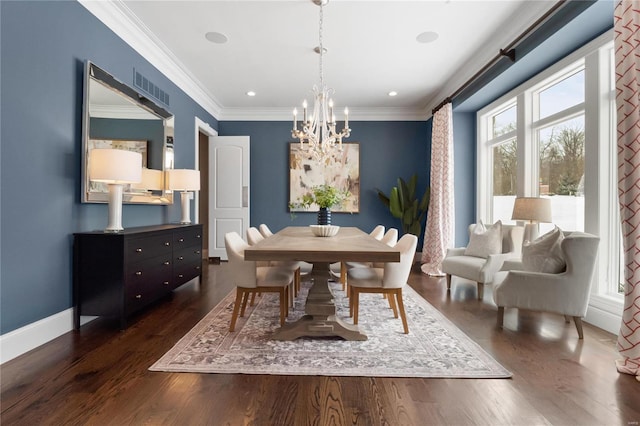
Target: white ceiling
(372,49)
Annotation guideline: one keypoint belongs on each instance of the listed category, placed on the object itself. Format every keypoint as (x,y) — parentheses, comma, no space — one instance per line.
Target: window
(554,136)
(561,172)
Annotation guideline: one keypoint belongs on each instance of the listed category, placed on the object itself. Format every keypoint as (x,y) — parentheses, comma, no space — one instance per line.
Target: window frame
(598,108)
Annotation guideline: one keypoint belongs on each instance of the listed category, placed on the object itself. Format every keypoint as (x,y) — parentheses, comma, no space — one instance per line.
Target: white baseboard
(24,339)
(602,319)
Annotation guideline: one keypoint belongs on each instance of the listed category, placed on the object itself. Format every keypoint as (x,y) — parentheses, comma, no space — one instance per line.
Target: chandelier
(318,135)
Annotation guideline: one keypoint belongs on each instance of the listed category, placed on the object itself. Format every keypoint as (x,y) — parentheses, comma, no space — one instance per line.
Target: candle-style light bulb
(304,111)
(295,119)
(331,110)
(346,118)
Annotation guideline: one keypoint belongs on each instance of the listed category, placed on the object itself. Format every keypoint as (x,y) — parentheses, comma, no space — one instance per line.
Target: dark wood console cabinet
(117,274)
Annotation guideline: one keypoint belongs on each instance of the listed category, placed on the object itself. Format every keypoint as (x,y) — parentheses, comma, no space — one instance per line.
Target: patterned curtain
(438,234)
(627,58)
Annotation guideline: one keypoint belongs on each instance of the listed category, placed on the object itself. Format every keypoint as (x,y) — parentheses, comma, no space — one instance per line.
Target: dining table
(298,243)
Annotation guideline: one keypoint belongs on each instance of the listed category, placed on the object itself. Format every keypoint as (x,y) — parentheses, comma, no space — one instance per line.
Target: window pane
(503,122)
(504,180)
(561,171)
(562,95)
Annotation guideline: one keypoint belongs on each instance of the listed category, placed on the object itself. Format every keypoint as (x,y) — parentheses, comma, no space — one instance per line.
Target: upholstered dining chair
(250,278)
(339,269)
(388,280)
(565,293)
(303,268)
(254,237)
(480,267)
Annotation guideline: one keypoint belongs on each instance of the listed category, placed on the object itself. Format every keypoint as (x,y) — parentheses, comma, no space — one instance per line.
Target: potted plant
(404,205)
(324,196)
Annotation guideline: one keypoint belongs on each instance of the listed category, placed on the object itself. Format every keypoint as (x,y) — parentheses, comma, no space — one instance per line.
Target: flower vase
(324,216)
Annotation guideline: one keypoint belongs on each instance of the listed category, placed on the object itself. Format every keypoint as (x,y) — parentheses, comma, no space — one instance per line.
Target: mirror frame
(96,75)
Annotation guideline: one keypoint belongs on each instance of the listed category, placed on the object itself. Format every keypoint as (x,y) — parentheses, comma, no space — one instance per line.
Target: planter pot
(324,216)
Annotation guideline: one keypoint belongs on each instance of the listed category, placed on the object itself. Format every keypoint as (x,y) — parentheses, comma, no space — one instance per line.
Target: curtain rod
(509,52)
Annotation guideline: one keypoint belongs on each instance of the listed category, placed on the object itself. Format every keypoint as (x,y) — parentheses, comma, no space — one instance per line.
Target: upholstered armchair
(565,293)
(478,268)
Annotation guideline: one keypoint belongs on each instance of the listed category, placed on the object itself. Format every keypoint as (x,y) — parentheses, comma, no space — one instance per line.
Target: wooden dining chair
(388,280)
(250,279)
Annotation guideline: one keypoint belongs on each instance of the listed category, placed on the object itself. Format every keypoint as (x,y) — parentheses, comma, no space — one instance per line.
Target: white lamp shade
(532,208)
(152,180)
(183,180)
(115,166)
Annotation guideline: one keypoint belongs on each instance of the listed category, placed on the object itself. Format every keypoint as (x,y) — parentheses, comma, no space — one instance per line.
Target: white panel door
(228,190)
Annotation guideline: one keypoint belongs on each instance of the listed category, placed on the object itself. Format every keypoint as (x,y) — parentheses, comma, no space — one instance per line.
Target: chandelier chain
(321,45)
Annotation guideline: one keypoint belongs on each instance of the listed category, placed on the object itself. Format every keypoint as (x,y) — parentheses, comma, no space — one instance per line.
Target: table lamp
(152,180)
(533,209)
(115,167)
(184,180)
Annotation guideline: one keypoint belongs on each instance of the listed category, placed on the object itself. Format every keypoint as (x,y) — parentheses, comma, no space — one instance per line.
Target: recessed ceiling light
(251,93)
(393,93)
(215,37)
(427,37)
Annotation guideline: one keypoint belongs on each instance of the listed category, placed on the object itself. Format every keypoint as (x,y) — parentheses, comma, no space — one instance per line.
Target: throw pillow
(484,241)
(544,254)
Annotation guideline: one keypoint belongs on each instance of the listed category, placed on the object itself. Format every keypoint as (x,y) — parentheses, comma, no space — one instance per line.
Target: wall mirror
(117,116)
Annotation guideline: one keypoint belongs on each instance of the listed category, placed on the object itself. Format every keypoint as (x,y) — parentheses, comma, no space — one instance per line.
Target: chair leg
(578,322)
(567,319)
(283,304)
(253,299)
(355,296)
(236,307)
(403,315)
(392,304)
(343,275)
(500,316)
(448,282)
(480,291)
(245,297)
(296,285)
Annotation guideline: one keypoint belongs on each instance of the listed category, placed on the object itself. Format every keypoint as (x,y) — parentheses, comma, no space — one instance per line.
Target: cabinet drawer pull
(138,296)
(139,250)
(167,243)
(198,236)
(166,283)
(180,258)
(197,268)
(197,252)
(166,262)
(180,276)
(181,240)
(138,273)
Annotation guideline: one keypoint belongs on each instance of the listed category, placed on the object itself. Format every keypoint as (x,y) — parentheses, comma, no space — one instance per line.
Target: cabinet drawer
(188,237)
(144,248)
(186,272)
(139,295)
(157,271)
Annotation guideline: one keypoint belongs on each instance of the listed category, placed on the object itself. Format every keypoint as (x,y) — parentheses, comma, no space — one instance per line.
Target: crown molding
(119,19)
(355,114)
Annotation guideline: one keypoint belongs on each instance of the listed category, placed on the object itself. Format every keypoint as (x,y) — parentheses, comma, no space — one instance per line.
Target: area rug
(434,347)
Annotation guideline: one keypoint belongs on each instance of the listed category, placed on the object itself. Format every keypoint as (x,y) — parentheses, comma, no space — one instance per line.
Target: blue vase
(324,216)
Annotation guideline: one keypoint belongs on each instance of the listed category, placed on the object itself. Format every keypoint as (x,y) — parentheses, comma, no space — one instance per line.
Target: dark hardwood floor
(99,375)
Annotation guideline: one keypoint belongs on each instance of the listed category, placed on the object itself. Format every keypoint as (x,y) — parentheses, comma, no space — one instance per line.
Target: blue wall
(44,46)
(388,150)
(464,178)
